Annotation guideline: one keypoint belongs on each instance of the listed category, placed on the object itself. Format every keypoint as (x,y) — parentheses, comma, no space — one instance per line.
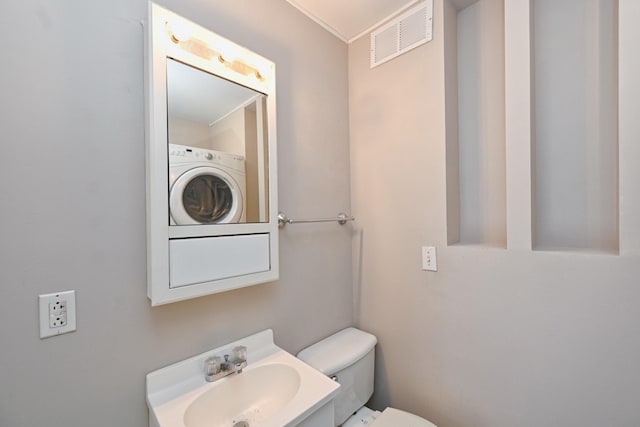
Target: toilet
(348,357)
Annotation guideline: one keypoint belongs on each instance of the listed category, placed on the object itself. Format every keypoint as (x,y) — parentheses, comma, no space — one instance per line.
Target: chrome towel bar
(341,218)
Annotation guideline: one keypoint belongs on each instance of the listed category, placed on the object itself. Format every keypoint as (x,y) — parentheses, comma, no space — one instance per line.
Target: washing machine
(205,186)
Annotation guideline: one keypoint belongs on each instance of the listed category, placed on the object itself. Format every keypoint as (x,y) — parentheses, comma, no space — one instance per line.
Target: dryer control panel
(184,153)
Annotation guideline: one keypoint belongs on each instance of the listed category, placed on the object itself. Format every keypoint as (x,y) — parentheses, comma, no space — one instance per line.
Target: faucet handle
(213,365)
(240,353)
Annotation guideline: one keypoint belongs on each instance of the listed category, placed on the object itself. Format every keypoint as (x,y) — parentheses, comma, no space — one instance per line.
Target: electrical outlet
(429,259)
(57,313)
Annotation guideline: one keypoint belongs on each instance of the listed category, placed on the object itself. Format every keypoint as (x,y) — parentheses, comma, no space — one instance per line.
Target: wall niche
(574,95)
(475,122)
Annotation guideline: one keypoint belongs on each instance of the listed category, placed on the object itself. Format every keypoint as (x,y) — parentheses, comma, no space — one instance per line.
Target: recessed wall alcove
(574,57)
(475,122)
(561,126)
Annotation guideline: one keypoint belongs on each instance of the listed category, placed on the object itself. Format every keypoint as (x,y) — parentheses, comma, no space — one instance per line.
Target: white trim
(341,36)
(318,21)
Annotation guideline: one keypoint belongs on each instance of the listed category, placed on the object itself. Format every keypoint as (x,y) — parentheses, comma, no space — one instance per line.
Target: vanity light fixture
(240,66)
(180,35)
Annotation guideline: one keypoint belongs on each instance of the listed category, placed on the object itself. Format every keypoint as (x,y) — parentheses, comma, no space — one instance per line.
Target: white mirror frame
(231,62)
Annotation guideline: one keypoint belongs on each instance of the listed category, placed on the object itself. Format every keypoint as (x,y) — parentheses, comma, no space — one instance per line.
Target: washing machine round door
(205,195)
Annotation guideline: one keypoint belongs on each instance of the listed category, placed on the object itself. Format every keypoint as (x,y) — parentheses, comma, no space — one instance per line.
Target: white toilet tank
(348,356)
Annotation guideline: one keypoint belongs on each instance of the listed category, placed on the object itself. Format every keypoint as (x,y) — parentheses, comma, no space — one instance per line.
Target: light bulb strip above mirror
(226,54)
(200,48)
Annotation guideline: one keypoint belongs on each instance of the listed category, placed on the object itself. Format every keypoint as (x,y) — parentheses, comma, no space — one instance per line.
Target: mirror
(217,149)
(212,221)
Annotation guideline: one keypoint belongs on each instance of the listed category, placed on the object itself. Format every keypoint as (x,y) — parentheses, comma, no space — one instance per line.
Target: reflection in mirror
(217,149)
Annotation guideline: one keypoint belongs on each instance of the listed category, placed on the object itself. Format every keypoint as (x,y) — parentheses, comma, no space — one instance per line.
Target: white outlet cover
(46,301)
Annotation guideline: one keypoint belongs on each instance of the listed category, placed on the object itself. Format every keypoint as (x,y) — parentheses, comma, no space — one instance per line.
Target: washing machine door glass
(207,199)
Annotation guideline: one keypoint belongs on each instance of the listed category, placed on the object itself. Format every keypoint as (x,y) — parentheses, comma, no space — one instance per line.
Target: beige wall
(228,134)
(187,132)
(73,205)
(495,338)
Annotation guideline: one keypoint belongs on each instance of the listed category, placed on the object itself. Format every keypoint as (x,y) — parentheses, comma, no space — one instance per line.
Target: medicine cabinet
(212,224)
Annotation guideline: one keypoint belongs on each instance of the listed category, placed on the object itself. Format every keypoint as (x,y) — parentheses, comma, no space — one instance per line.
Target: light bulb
(179,31)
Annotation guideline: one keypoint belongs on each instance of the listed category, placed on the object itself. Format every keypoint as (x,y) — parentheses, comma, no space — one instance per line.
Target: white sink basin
(250,397)
(275,390)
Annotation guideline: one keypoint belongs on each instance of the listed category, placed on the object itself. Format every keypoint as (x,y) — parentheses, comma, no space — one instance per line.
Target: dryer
(206,186)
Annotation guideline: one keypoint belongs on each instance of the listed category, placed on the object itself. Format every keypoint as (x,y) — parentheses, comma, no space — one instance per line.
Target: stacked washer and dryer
(206,186)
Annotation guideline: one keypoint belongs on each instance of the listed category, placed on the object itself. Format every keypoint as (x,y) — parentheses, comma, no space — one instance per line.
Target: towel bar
(341,218)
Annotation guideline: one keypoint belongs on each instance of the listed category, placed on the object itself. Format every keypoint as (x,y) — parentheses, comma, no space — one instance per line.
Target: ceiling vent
(408,31)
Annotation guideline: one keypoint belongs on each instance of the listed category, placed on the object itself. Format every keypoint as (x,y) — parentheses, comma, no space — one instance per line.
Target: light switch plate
(429,259)
(57,313)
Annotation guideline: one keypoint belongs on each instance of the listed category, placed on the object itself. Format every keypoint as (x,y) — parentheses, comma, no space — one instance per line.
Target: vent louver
(405,32)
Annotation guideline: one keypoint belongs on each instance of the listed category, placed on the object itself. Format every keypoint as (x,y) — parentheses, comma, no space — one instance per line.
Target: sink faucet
(216,367)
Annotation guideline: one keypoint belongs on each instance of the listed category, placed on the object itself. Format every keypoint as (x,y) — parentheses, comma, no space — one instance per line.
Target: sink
(275,389)
(249,397)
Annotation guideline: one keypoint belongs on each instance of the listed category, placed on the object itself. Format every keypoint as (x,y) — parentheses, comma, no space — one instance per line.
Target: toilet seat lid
(392,417)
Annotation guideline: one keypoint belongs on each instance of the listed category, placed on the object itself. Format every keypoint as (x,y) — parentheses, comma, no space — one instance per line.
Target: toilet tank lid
(338,351)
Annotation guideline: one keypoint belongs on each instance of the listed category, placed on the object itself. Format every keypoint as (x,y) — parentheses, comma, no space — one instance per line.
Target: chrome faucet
(216,367)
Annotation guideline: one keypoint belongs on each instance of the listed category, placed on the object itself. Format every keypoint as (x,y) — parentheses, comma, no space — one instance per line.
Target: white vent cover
(408,31)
